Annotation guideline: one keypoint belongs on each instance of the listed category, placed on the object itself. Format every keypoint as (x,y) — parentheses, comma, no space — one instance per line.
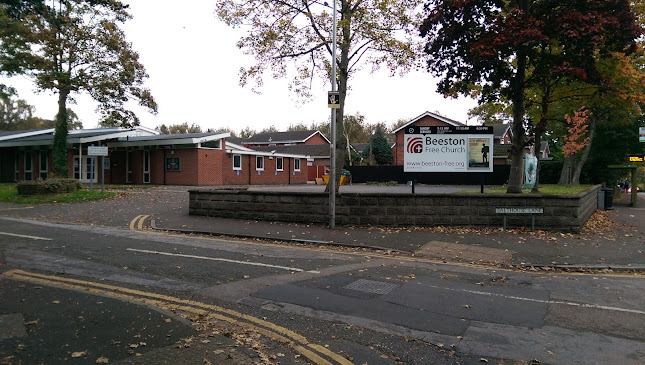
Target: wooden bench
(520,210)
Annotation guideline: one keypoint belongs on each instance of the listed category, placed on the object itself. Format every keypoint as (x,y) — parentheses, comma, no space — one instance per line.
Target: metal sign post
(97,151)
(333,100)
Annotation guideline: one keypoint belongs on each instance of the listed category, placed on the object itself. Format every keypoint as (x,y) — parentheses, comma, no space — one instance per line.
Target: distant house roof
(312,150)
(432,115)
(282,137)
(360,147)
(501,150)
(499,130)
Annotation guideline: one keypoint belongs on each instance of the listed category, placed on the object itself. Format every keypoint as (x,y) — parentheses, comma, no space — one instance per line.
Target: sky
(193,65)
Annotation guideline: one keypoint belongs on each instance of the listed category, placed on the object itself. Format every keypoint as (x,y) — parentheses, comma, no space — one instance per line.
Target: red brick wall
(316,139)
(210,166)
(233,177)
(188,167)
(268,176)
(426,121)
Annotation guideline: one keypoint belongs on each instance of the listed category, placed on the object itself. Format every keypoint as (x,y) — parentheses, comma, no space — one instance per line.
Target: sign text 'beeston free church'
(448,149)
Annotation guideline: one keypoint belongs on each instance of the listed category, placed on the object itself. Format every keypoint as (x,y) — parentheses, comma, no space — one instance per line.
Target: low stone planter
(560,212)
(48,187)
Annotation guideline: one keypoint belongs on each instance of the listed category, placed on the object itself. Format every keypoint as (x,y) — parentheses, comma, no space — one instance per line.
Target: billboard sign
(448,149)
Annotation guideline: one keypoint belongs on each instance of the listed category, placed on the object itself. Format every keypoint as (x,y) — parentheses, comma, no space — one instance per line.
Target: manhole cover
(371,286)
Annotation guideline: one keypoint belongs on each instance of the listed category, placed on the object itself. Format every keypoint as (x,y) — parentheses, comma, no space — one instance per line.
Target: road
(87,293)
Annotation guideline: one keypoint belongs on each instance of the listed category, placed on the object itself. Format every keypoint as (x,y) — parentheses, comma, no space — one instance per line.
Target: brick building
(141,156)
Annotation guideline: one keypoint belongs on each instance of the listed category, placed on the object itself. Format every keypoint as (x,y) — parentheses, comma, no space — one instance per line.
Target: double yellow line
(139,225)
(315,353)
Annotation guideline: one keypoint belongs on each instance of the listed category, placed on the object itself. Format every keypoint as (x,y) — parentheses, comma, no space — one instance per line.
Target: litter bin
(608,198)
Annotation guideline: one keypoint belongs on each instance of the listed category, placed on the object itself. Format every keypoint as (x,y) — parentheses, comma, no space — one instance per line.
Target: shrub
(48,187)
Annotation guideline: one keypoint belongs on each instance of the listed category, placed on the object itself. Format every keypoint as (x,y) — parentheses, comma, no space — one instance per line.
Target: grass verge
(9,194)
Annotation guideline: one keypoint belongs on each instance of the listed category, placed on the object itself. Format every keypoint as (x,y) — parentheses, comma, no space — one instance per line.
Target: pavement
(613,240)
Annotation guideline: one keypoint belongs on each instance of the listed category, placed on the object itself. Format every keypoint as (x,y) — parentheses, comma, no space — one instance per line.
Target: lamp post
(332,152)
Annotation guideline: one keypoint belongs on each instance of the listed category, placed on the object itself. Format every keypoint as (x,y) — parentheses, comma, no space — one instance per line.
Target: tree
(502,48)
(353,132)
(182,128)
(298,33)
(379,150)
(17,114)
(77,46)
(247,132)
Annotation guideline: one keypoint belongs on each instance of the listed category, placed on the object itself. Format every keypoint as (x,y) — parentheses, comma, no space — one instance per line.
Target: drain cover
(371,286)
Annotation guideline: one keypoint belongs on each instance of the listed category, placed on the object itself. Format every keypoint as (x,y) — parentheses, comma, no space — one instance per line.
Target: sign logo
(415,145)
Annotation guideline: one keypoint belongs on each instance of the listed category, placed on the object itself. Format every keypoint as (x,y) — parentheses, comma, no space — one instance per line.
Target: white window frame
(81,166)
(237,168)
(296,164)
(257,166)
(281,160)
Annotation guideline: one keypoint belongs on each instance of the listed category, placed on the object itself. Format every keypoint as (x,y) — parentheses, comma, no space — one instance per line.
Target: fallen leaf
(102,360)
(79,354)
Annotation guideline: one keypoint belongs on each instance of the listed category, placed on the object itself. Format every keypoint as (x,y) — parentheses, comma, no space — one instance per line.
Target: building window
(29,165)
(259,163)
(146,167)
(296,164)
(279,164)
(17,166)
(43,165)
(237,162)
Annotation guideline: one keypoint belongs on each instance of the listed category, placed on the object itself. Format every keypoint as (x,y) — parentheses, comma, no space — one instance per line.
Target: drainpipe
(289,171)
(249,170)
(163,163)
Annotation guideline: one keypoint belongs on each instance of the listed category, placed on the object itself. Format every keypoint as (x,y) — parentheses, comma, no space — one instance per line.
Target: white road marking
(223,260)
(573,304)
(25,236)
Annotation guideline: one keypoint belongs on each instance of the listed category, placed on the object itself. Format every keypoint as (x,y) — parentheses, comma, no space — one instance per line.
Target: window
(279,164)
(259,163)
(29,162)
(296,164)
(17,166)
(237,162)
(146,167)
(43,165)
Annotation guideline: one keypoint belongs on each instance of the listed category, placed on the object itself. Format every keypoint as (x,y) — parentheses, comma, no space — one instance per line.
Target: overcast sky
(193,66)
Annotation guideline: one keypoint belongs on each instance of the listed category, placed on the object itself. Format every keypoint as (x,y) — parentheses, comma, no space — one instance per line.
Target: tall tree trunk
(59,152)
(575,179)
(517,137)
(567,170)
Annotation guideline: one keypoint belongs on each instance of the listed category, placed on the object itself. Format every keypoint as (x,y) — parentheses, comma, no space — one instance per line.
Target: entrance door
(84,174)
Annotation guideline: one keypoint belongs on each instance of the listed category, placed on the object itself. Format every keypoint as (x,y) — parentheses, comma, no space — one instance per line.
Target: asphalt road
(358,307)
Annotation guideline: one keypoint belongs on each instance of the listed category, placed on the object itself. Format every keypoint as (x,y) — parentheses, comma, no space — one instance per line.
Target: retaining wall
(561,212)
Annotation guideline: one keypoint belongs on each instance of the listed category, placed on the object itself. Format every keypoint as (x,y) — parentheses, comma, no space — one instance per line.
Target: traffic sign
(333,99)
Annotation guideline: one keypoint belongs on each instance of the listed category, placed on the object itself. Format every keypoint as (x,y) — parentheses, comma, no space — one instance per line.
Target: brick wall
(561,212)
(317,139)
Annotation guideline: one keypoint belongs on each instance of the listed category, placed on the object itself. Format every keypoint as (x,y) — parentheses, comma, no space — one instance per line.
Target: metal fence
(364,174)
